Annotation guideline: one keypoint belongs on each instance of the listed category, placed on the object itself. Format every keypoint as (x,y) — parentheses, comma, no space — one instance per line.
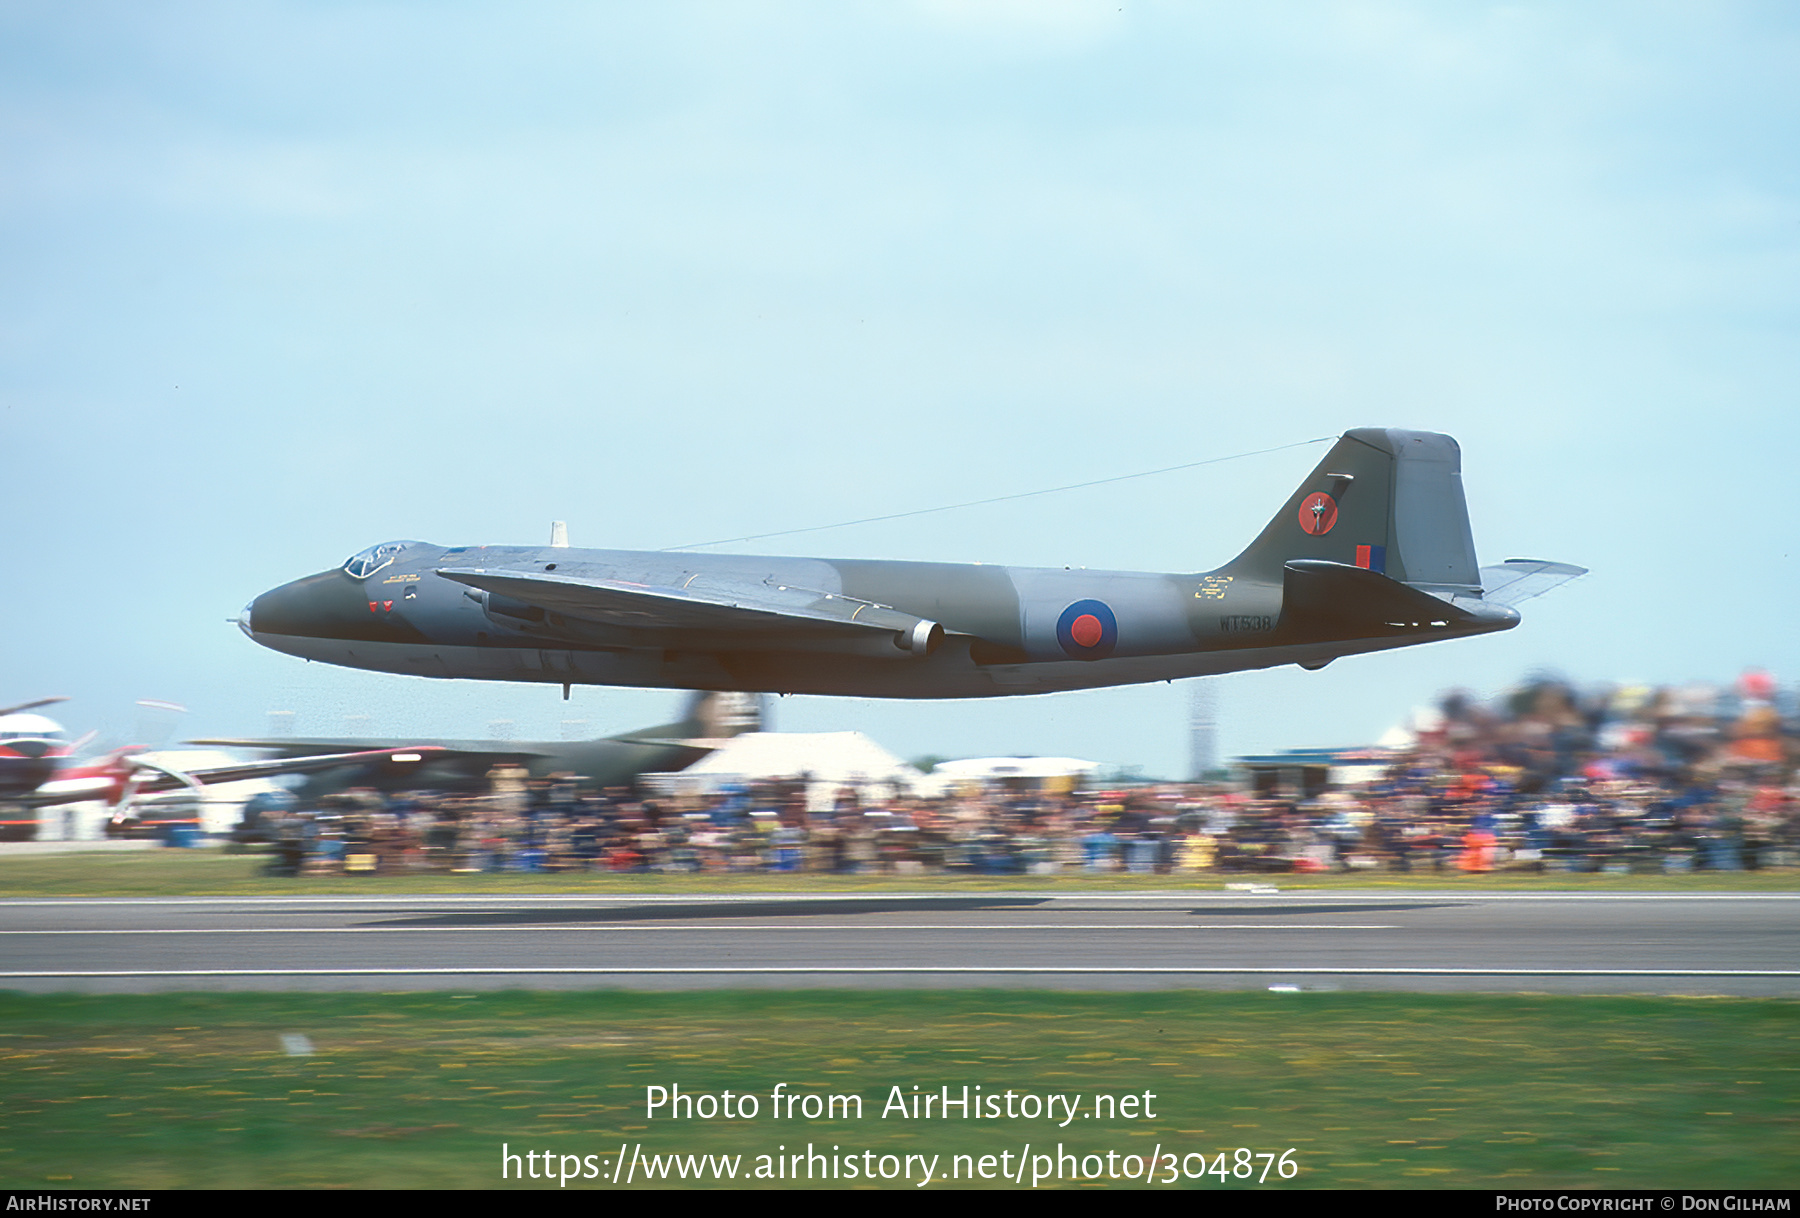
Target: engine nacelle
(925,637)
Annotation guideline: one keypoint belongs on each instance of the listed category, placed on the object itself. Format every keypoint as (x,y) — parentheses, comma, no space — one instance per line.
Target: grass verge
(1369,1090)
(216,873)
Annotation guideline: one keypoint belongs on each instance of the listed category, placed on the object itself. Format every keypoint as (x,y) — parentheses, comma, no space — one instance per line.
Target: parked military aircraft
(1373,551)
(710,720)
(32,748)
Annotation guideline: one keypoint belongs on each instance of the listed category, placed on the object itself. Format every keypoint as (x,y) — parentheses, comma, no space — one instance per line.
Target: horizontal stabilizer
(1520,579)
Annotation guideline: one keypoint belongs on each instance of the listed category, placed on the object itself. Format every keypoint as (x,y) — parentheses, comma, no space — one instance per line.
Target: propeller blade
(25,706)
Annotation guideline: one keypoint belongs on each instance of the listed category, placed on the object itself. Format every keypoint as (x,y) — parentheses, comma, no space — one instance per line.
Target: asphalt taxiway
(1744,944)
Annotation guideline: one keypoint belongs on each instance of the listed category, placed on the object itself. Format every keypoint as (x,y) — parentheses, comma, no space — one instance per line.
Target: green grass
(420,1090)
(216,873)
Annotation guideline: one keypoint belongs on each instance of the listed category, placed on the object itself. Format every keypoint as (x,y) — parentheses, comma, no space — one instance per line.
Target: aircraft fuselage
(1372,551)
(1008,630)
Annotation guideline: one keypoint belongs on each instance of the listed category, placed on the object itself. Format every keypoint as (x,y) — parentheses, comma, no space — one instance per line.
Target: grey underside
(948,674)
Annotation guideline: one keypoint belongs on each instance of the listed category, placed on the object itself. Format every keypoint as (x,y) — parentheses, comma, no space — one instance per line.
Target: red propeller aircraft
(34,772)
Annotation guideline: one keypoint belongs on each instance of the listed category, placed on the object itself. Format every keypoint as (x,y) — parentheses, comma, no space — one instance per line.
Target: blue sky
(284,280)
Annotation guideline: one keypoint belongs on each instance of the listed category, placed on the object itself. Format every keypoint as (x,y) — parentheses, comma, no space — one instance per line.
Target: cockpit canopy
(373,559)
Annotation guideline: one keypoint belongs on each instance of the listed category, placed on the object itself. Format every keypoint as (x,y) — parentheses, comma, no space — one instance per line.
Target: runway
(1742,944)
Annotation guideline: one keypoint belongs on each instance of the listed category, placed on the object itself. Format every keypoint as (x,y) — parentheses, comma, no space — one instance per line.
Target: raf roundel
(1087,630)
(1318,512)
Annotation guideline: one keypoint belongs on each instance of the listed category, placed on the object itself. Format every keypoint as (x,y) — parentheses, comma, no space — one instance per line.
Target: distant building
(1305,773)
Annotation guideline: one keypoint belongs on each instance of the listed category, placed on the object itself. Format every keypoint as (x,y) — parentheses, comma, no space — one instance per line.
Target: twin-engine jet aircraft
(1373,551)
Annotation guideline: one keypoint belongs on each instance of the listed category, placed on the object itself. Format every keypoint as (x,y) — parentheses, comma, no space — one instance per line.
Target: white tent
(984,770)
(829,760)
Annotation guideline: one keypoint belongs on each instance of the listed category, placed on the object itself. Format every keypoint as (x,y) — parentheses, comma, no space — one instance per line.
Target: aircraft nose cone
(331,606)
(326,605)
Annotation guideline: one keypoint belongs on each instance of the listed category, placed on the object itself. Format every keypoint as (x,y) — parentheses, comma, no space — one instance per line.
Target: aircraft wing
(1520,579)
(145,777)
(318,746)
(739,609)
(274,768)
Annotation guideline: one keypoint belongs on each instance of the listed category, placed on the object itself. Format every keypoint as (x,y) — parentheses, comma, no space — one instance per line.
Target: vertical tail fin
(1384,499)
(717,716)
(708,715)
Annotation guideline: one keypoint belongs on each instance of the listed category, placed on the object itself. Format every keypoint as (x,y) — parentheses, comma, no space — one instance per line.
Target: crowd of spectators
(1545,778)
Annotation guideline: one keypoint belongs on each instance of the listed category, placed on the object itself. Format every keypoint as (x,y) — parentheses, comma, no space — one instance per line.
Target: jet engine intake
(924,638)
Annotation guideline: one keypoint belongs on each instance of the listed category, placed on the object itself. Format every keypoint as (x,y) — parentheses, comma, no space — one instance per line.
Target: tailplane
(1520,579)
